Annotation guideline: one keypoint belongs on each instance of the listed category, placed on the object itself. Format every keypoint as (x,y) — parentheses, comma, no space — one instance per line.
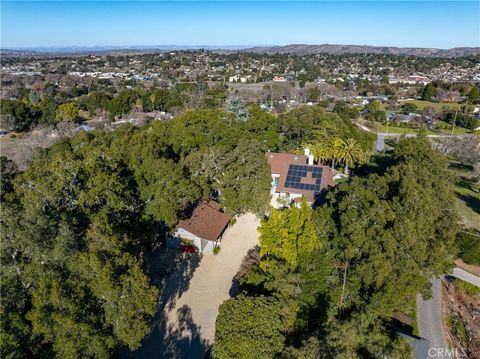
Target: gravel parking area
(184,326)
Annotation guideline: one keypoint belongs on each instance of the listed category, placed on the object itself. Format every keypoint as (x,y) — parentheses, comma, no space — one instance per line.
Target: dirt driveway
(184,326)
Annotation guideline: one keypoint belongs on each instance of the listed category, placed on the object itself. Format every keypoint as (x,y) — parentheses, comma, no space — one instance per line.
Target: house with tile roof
(203,229)
(295,177)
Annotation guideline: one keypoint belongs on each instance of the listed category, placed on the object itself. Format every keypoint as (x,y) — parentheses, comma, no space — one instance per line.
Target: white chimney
(310,159)
(307,151)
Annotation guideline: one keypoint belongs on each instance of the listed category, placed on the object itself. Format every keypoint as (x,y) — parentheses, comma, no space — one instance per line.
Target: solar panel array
(297,172)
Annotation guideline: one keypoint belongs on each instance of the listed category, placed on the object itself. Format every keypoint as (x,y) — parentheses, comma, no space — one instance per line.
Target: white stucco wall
(208,246)
(203,245)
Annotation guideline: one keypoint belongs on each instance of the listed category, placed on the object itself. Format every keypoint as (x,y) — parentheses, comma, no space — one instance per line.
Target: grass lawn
(402,130)
(468,195)
(436,105)
(457,131)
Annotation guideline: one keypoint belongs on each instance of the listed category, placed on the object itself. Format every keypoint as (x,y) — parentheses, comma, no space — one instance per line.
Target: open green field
(407,130)
(402,130)
(457,131)
(436,105)
(467,195)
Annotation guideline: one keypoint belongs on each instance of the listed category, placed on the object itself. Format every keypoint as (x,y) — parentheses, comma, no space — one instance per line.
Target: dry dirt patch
(461,311)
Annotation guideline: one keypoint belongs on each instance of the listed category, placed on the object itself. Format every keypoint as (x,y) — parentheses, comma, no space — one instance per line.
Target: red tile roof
(206,221)
(279,163)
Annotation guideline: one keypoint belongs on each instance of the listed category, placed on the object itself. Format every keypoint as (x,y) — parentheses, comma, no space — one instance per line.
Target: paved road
(467,277)
(429,313)
(184,326)
(429,318)
(380,144)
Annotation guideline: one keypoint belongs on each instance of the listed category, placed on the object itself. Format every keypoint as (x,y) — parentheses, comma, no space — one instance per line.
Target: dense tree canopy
(249,327)
(70,238)
(76,222)
(306,124)
(289,235)
(342,270)
(384,212)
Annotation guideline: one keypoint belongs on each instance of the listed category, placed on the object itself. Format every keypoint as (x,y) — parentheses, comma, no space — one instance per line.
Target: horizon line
(199,46)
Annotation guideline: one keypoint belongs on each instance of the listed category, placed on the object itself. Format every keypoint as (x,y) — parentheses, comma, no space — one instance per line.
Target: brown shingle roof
(206,221)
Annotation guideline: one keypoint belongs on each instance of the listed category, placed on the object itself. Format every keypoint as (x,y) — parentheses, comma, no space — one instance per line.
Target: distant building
(401,118)
(295,177)
(237,78)
(279,79)
(411,80)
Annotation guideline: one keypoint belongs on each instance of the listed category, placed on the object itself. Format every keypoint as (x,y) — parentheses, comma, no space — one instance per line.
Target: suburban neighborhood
(240,180)
(231,198)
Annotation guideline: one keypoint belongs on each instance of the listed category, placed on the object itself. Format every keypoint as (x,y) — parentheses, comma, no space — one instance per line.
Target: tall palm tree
(335,150)
(351,152)
(321,151)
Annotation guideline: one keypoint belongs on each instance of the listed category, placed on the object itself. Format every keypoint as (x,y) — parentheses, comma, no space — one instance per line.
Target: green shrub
(457,328)
(467,288)
(469,246)
(216,250)
(249,327)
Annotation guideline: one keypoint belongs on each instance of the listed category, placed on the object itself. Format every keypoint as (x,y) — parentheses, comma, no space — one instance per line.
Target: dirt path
(184,326)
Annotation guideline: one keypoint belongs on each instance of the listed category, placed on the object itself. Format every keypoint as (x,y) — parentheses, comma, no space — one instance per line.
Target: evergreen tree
(429,92)
(474,95)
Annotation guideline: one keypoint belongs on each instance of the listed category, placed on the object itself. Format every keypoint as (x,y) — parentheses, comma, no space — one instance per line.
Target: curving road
(429,314)
(429,318)
(466,276)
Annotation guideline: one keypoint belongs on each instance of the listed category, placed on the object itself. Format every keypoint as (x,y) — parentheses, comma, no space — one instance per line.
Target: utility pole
(454,122)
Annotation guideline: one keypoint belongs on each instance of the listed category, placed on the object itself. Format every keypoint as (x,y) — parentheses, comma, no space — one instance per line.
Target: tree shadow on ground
(251,259)
(457,166)
(184,341)
(471,201)
(466,183)
(171,271)
(180,340)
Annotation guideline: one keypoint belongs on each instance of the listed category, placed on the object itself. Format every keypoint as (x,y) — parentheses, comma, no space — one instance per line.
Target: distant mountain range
(105,50)
(301,49)
(298,49)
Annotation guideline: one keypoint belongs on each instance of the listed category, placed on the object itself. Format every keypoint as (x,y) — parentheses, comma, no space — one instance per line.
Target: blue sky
(442,24)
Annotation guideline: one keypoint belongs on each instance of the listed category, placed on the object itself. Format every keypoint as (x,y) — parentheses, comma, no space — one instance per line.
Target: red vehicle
(189,249)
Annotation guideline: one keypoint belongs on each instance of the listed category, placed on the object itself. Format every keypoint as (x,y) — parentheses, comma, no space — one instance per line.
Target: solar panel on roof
(295,174)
